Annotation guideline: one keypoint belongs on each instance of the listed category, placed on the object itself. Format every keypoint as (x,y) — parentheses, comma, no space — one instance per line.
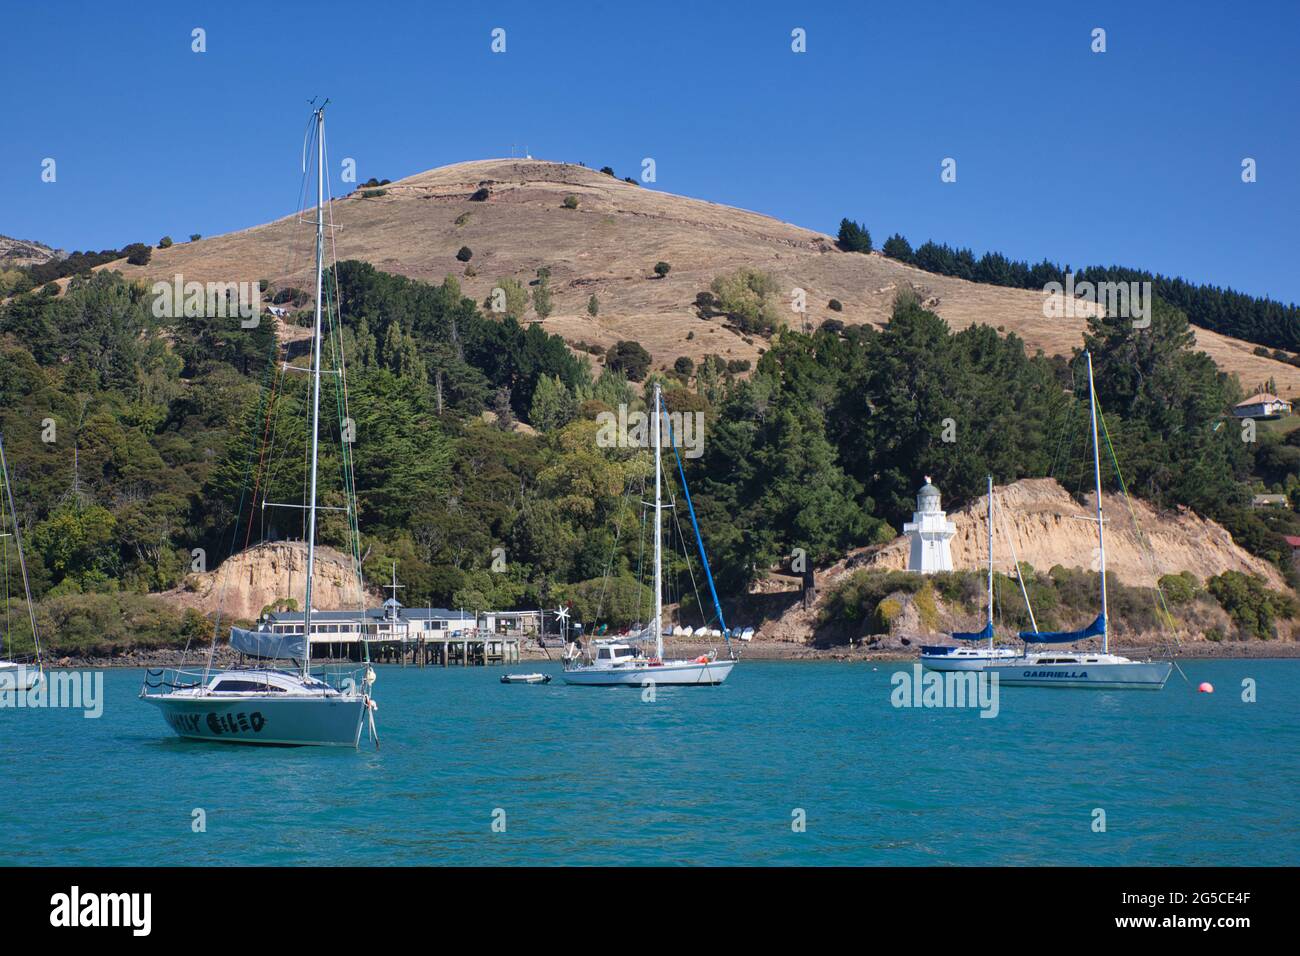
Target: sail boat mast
(315,383)
(22,561)
(659,595)
(1101,537)
(990,562)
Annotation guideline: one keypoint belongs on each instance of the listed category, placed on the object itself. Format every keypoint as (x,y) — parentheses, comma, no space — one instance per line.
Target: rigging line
(234,537)
(1159,597)
(689,567)
(1015,558)
(704,558)
(613,550)
(257,475)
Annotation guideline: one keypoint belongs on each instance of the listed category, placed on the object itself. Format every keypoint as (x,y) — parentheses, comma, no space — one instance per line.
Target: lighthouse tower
(931,532)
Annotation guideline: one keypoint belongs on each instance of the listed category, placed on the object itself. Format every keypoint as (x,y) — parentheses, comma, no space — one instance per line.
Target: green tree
(853,237)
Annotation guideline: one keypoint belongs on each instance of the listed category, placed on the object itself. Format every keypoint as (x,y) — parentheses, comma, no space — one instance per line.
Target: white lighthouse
(931,532)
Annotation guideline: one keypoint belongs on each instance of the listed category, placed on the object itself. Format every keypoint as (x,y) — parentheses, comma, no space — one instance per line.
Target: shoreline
(757,650)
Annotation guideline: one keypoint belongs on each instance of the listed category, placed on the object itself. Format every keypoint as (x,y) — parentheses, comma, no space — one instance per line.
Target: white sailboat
(1083,668)
(618,662)
(26,674)
(263,704)
(968,655)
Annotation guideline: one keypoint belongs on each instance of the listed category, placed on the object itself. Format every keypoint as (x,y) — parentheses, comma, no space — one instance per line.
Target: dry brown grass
(609,246)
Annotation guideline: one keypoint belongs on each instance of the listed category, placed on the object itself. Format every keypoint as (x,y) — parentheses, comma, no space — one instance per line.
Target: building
(1262,405)
(1270,501)
(392,622)
(1293,542)
(931,533)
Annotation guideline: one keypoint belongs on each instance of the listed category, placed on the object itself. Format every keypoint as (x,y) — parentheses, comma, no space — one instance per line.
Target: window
(231,686)
(604,654)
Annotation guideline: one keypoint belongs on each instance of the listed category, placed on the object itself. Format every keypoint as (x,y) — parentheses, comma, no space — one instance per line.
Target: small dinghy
(525,678)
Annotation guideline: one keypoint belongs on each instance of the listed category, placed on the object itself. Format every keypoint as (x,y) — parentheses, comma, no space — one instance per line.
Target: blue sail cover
(1096,629)
(266,644)
(984,635)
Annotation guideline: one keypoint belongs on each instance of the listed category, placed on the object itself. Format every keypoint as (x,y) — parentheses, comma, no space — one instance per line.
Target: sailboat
(263,704)
(620,662)
(970,655)
(16,675)
(1083,668)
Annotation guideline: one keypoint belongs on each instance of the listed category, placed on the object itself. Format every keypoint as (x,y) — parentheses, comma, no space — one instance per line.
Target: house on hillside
(1293,542)
(1262,405)
(1270,501)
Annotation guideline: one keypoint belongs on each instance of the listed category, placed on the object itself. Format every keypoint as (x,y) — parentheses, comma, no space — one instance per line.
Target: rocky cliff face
(262,575)
(20,252)
(1045,526)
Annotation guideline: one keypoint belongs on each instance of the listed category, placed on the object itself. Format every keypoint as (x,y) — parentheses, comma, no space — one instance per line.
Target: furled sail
(1096,629)
(265,644)
(984,635)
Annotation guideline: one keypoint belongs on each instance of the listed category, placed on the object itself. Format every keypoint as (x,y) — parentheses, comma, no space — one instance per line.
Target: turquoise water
(702,775)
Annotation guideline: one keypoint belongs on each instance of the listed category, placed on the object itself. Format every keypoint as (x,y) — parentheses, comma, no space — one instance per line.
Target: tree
(554,406)
(662,268)
(511,300)
(684,365)
(896,247)
(465,253)
(164,242)
(138,254)
(195,236)
(629,358)
(593,306)
(853,237)
(542,304)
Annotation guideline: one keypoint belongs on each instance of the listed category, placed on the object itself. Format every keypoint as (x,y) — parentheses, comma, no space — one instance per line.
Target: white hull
(300,713)
(18,677)
(674,673)
(1122,675)
(968,660)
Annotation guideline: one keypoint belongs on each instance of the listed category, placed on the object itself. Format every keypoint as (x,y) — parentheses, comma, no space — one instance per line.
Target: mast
(1101,537)
(22,563)
(990,562)
(659,596)
(315,383)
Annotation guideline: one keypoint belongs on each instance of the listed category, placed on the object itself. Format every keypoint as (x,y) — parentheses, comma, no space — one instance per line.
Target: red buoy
(1206,687)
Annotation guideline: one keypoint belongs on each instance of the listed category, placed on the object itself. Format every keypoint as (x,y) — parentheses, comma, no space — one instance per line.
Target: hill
(608,246)
(21,252)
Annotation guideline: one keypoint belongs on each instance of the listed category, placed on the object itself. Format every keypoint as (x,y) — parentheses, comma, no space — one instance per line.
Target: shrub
(834,326)
(608,171)
(465,253)
(927,608)
(570,202)
(662,269)
(1260,351)
(1252,606)
(373,193)
(480,195)
(1180,588)
(195,236)
(835,305)
(289,294)
(138,254)
(684,365)
(748,297)
(462,219)
(593,306)
(736,366)
(164,242)
(630,359)
(887,612)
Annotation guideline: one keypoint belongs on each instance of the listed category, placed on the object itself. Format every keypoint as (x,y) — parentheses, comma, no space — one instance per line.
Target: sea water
(787,763)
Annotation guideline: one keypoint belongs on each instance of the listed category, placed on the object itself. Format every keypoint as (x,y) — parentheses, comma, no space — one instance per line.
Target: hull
(683,673)
(288,721)
(967,662)
(18,677)
(1130,675)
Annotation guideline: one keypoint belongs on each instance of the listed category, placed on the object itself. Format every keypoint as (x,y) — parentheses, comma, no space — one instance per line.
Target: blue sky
(1129,157)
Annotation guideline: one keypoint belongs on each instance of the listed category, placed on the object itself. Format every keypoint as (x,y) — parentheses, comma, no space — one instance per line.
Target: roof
(1292,540)
(1262,398)
(373,614)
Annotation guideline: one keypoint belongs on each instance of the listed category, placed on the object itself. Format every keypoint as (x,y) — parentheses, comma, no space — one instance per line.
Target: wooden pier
(461,649)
